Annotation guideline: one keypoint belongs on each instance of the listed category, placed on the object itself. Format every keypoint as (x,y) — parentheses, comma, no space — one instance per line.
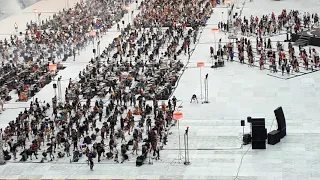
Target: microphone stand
(186,147)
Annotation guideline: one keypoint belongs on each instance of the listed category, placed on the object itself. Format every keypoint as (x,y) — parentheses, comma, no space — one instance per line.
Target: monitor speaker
(274,137)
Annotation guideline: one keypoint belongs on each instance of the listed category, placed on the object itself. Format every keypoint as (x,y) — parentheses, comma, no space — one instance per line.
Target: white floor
(235,92)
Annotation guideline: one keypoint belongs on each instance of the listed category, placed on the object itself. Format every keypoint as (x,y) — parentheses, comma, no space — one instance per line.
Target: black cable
(241,162)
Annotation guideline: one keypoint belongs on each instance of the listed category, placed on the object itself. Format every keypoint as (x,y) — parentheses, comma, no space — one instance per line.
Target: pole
(179,139)
(215,48)
(201,96)
(186,145)
(188,162)
(1,151)
(206,90)
(35,17)
(39,20)
(128,17)
(222,17)
(185,148)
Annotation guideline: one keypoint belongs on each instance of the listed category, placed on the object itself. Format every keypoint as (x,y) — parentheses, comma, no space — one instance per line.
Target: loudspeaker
(258,121)
(242,123)
(123,22)
(258,144)
(274,137)
(137,2)
(259,133)
(258,129)
(249,119)
(280,118)
(94,51)
(139,161)
(54,86)
(246,139)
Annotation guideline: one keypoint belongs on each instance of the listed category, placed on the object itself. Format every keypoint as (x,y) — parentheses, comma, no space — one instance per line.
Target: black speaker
(139,161)
(258,144)
(246,139)
(258,121)
(274,137)
(94,51)
(259,133)
(242,123)
(123,22)
(137,2)
(54,86)
(249,119)
(280,118)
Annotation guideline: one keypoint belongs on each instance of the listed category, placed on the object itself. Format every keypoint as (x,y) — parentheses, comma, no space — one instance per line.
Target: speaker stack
(259,133)
(275,136)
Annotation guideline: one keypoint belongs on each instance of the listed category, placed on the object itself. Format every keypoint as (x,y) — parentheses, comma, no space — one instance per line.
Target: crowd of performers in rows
(266,53)
(286,60)
(272,25)
(129,120)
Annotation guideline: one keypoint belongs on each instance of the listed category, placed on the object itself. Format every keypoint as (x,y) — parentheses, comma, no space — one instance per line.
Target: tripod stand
(186,147)
(180,157)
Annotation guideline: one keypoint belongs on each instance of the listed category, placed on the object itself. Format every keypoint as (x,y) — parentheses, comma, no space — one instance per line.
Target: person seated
(193,98)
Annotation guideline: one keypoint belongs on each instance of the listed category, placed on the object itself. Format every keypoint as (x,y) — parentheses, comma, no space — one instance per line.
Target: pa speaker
(249,119)
(280,118)
(274,137)
(54,86)
(259,133)
(258,144)
(242,123)
(94,51)
(258,121)
(246,139)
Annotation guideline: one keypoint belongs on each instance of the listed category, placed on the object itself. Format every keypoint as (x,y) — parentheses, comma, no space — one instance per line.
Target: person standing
(16,27)
(74,54)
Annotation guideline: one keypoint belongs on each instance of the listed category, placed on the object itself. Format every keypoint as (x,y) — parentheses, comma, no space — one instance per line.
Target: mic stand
(206,91)
(186,148)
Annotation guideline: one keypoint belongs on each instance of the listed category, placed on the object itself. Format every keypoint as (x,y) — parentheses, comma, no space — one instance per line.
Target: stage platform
(313,34)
